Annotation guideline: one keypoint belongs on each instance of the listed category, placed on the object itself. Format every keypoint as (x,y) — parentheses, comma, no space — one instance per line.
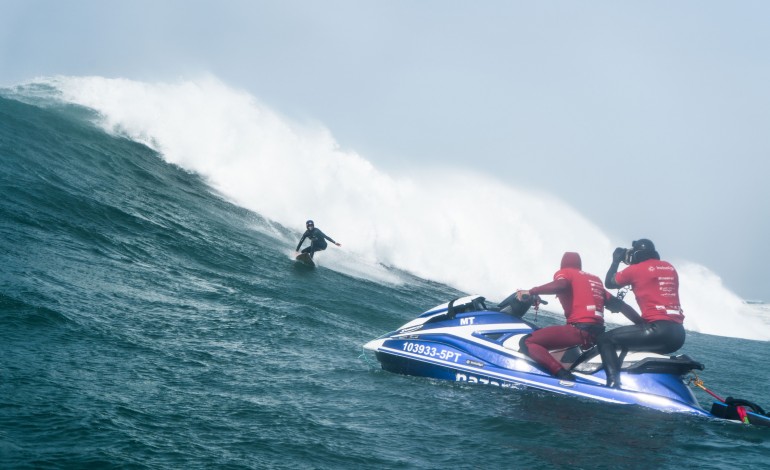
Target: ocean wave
(455,226)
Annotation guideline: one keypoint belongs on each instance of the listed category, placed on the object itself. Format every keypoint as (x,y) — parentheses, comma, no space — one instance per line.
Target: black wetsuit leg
(316,246)
(660,337)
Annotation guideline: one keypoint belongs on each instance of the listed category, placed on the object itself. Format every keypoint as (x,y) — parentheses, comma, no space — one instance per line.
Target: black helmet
(309,222)
(643,244)
(642,250)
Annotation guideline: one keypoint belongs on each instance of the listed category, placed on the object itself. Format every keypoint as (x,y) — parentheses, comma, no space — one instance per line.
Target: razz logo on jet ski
(472,379)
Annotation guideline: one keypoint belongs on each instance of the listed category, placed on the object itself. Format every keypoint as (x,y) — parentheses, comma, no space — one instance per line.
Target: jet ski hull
(664,392)
(480,346)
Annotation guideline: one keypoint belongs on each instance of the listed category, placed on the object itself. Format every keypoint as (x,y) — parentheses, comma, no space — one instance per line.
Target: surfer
(317,239)
(656,287)
(583,299)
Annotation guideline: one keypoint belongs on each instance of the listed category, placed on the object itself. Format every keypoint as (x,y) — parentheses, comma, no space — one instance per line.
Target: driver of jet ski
(656,287)
(583,299)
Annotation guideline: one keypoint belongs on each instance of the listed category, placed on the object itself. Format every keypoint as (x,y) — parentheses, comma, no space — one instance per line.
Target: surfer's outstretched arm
(331,240)
(299,245)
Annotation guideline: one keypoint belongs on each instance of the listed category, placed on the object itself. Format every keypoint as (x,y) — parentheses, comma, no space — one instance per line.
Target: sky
(650,118)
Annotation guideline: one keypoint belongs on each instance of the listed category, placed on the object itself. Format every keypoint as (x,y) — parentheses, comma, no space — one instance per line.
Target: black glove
(618,255)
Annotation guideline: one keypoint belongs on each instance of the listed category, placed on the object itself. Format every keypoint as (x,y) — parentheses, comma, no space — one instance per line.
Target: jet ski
(465,341)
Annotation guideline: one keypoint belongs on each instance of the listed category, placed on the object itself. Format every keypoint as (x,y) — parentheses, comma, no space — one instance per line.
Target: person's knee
(604,339)
(524,344)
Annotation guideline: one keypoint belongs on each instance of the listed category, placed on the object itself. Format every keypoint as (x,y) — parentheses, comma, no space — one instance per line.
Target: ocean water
(151,315)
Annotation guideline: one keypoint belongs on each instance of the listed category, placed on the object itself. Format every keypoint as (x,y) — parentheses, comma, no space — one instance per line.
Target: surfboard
(305,259)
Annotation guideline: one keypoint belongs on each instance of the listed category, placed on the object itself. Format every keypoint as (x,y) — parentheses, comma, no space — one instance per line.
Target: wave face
(147,321)
(459,228)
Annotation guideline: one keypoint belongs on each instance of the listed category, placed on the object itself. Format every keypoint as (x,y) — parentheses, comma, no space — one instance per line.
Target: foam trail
(463,229)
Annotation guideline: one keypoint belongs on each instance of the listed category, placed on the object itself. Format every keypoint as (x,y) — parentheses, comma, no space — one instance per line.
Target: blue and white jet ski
(464,341)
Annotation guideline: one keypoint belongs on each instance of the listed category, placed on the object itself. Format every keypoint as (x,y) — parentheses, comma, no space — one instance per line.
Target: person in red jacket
(583,299)
(656,287)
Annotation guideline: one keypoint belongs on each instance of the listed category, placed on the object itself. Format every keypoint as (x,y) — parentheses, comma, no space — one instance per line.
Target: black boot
(564,374)
(611,363)
(613,377)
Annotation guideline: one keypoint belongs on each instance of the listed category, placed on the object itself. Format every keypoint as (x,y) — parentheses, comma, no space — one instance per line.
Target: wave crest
(458,227)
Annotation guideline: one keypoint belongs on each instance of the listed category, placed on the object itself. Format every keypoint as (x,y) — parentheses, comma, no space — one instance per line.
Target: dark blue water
(145,323)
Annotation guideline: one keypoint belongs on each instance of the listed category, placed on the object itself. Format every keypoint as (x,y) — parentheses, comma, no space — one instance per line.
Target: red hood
(571,260)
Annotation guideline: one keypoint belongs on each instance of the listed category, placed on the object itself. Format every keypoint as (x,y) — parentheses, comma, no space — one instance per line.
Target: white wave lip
(701,290)
(452,226)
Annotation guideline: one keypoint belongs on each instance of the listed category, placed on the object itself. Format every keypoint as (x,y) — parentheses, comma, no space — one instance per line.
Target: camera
(623,254)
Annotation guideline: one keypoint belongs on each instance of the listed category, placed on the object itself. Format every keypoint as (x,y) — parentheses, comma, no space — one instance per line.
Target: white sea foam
(458,227)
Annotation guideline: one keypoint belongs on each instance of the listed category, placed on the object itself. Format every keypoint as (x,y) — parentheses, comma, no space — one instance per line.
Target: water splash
(457,227)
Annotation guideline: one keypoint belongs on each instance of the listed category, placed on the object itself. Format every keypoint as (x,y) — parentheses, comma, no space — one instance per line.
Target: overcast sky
(650,118)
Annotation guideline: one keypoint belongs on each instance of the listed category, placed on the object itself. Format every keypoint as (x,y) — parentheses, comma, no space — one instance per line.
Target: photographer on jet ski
(583,299)
(656,287)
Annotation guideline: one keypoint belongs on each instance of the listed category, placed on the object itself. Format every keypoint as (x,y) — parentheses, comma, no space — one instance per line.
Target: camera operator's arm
(614,304)
(617,257)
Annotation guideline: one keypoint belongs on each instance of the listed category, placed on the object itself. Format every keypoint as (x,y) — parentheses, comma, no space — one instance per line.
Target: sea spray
(457,227)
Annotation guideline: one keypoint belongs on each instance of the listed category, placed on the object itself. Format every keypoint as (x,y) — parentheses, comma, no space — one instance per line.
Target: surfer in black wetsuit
(317,239)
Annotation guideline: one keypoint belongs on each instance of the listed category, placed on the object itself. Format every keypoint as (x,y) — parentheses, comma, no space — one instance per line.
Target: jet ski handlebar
(512,305)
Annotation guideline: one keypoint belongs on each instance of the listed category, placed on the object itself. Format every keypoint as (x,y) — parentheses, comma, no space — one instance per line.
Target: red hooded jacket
(581,294)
